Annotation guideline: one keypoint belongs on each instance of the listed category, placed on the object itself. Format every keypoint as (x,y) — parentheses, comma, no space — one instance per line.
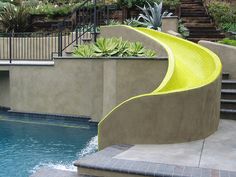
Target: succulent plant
(84,51)
(113,47)
(105,47)
(152,16)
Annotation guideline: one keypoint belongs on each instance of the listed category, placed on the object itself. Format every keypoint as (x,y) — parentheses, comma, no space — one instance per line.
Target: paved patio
(218,151)
(214,156)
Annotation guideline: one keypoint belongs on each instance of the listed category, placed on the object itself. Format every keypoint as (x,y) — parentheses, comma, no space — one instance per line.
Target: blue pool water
(26,144)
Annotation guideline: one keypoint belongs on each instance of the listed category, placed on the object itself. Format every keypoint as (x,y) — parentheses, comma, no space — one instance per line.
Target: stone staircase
(196,19)
(228,98)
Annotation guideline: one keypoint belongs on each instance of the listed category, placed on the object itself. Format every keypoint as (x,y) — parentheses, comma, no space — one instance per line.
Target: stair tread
(229,81)
(228,110)
(228,101)
(228,91)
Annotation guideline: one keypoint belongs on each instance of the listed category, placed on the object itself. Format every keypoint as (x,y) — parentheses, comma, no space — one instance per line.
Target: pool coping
(104,161)
(79,118)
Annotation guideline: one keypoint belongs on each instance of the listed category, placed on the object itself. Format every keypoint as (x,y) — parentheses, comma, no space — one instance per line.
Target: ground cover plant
(228,41)
(113,47)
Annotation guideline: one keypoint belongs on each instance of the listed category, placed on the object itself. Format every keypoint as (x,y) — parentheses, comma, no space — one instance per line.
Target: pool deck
(214,156)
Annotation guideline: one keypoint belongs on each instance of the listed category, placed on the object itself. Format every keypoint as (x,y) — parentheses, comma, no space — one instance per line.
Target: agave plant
(150,53)
(152,16)
(136,49)
(84,51)
(105,47)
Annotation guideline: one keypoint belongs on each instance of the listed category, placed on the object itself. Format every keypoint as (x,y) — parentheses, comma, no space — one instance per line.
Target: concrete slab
(187,154)
(218,151)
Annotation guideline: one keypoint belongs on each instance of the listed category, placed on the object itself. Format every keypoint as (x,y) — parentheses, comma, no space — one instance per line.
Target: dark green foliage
(15,18)
(182,29)
(224,15)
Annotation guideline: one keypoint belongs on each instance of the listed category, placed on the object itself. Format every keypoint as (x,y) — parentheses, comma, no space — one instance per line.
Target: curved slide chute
(185,107)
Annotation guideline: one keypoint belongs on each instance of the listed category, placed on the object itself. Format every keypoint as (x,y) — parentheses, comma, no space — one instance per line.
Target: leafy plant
(150,53)
(224,15)
(231,27)
(15,18)
(113,47)
(112,22)
(105,47)
(136,49)
(228,41)
(133,22)
(184,31)
(84,51)
(152,16)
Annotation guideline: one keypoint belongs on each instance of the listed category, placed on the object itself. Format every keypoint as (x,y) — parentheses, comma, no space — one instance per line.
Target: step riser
(231,116)
(226,105)
(229,96)
(225,77)
(229,85)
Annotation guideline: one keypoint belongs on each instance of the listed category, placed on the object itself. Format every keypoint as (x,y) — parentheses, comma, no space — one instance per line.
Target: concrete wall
(4,89)
(80,86)
(226,53)
(170,24)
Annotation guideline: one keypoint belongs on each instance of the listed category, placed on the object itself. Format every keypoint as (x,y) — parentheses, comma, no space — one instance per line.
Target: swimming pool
(26,143)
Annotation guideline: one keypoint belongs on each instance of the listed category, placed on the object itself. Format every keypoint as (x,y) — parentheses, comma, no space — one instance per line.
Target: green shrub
(184,31)
(228,41)
(224,14)
(15,18)
(51,10)
(113,47)
(228,26)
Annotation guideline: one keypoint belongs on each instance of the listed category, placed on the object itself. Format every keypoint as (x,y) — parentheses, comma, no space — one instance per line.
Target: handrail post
(60,44)
(95,21)
(10,47)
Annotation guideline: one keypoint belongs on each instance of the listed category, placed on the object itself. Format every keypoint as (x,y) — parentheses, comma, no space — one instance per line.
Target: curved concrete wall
(185,107)
(226,53)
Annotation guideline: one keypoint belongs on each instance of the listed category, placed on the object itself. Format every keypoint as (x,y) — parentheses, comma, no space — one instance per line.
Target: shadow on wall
(4,89)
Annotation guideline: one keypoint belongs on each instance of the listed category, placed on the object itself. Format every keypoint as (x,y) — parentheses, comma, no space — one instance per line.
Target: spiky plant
(152,16)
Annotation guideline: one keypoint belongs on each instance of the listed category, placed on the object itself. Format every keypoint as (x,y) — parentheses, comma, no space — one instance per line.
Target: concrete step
(228,84)
(193,10)
(200,14)
(193,39)
(199,25)
(229,94)
(228,104)
(228,114)
(206,35)
(225,76)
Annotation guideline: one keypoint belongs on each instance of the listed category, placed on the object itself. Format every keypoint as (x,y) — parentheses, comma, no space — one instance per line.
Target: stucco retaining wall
(80,86)
(226,53)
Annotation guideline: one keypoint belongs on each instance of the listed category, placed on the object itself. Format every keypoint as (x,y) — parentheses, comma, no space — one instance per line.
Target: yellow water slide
(185,107)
